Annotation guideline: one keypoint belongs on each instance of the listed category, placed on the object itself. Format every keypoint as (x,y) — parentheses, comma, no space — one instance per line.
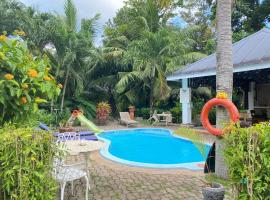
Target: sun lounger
(125,119)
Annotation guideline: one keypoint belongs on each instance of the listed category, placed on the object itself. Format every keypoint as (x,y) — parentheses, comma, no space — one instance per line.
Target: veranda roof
(250,53)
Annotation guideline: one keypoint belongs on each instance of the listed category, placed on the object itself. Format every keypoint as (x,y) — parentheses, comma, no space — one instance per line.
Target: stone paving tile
(111,184)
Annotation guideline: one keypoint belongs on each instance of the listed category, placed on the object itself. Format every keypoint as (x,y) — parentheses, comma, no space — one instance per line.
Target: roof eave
(237,69)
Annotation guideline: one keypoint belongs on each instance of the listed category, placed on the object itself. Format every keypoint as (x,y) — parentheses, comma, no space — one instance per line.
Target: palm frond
(127,80)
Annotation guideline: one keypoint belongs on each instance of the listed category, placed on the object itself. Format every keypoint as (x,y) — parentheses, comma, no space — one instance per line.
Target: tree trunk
(224,78)
(64,89)
(151,98)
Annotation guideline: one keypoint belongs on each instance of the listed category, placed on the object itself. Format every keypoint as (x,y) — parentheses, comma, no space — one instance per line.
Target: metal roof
(250,53)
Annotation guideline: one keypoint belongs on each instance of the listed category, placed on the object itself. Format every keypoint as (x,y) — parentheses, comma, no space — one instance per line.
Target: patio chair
(125,119)
(69,173)
(155,118)
(62,137)
(167,120)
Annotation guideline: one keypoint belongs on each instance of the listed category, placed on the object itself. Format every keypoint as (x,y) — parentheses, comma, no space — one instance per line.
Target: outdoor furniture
(62,137)
(75,147)
(83,135)
(69,173)
(165,117)
(245,119)
(125,119)
(154,117)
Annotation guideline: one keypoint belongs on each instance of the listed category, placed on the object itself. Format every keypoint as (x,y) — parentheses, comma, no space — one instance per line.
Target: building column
(251,96)
(185,100)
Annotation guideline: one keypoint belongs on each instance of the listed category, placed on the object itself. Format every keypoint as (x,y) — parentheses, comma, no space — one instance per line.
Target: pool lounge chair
(125,119)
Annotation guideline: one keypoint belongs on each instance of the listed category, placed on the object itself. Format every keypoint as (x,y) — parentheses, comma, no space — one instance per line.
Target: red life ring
(230,107)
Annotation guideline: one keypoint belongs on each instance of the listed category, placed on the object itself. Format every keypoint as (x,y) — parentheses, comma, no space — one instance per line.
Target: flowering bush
(103,110)
(25,80)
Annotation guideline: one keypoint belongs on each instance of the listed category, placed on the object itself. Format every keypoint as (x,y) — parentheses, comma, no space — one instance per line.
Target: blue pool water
(150,148)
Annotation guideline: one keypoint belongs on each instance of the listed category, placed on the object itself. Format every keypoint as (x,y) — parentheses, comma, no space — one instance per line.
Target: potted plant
(131,112)
(103,110)
(210,191)
(214,191)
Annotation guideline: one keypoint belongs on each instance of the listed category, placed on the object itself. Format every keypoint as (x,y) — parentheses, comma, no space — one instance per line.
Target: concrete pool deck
(114,181)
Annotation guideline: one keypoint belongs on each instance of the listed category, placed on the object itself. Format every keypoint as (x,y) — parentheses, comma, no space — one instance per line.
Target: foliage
(177,113)
(26,164)
(247,156)
(143,112)
(25,81)
(248,16)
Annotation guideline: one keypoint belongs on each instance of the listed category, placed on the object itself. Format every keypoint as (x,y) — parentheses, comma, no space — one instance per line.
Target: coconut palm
(148,58)
(224,77)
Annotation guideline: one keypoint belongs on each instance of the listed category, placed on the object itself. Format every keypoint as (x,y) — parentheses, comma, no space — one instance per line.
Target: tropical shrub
(247,155)
(103,110)
(25,80)
(143,112)
(26,164)
(177,113)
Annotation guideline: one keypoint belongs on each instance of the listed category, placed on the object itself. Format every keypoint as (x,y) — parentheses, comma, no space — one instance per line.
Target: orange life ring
(230,107)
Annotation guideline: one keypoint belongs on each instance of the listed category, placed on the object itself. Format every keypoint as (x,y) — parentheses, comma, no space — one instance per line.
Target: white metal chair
(62,137)
(155,118)
(69,173)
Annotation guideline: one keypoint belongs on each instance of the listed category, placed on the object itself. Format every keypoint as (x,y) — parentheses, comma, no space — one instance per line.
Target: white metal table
(85,147)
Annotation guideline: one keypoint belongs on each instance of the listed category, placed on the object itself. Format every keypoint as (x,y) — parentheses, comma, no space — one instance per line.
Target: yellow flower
(33,158)
(23,100)
(47,78)
(3,38)
(60,85)
(32,73)
(21,33)
(222,95)
(25,86)
(9,76)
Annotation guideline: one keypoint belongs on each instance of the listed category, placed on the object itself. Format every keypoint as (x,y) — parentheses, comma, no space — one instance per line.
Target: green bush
(247,155)
(26,164)
(177,113)
(143,112)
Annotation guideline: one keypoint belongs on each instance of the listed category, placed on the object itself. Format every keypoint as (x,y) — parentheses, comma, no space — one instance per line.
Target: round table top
(75,147)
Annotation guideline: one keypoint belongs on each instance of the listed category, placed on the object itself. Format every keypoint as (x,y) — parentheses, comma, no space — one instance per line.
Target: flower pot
(131,112)
(215,192)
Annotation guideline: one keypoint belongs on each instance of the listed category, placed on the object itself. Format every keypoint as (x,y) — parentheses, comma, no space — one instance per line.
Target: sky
(85,9)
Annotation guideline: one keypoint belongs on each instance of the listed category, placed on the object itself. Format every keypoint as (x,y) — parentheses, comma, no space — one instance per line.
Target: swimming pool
(154,148)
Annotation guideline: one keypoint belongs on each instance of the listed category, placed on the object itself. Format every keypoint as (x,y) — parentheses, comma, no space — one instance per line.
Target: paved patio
(113,181)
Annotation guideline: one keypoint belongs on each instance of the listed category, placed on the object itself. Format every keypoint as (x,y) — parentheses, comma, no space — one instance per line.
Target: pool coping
(194,166)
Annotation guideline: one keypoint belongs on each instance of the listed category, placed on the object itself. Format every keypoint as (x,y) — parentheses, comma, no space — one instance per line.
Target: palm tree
(224,77)
(148,58)
(70,55)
